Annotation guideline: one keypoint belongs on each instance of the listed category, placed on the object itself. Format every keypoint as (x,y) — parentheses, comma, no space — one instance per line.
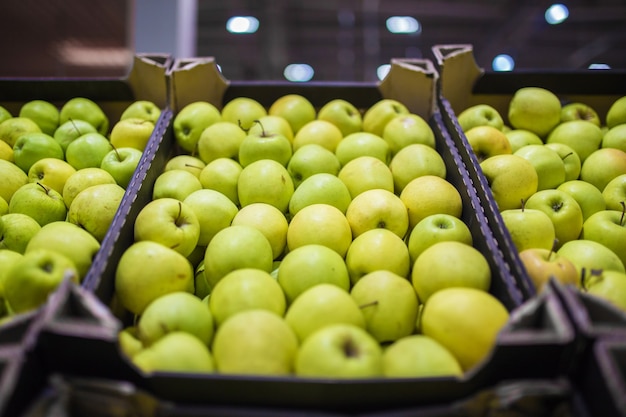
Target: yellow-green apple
(178,352)
(408,129)
(70,130)
(339,351)
(147,270)
(430,194)
(189,163)
(177,311)
(32,278)
(377,209)
(616,115)
(121,164)
(571,160)
(88,150)
(236,247)
(128,342)
(264,144)
(579,111)
(220,140)
(310,265)
(543,264)
(190,122)
(615,138)
(522,137)
(587,195)
(7,259)
(31,147)
(607,227)
(608,285)
(246,289)
(563,210)
(487,141)
(548,164)
(413,161)
(389,305)
(4,207)
(94,208)
(17,230)
(614,194)
(380,113)
(272,124)
(243,111)
(529,228)
(536,109)
(321,224)
(466,321)
(40,202)
(511,178)
(296,109)
(268,220)
(6,151)
(588,255)
(4,114)
(582,136)
(169,222)
(142,109)
(82,108)
(359,144)
(365,173)
(321,188)
(42,112)
(175,183)
(319,132)
(13,177)
(377,249)
(222,174)
(265,181)
(212,209)
(419,356)
(342,114)
(201,286)
(132,132)
(82,179)
(435,228)
(602,166)
(51,172)
(255,342)
(309,160)
(480,115)
(11,129)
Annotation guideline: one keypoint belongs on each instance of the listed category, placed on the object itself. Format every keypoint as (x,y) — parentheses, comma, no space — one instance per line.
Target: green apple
(147,270)
(588,255)
(408,129)
(339,351)
(264,145)
(602,165)
(243,111)
(437,228)
(222,139)
(17,230)
(246,289)
(543,264)
(529,228)
(310,265)
(255,342)
(582,136)
(4,207)
(175,183)
(201,286)
(189,163)
(359,144)
(320,188)
(608,285)
(35,276)
(377,249)
(377,209)
(579,111)
(487,141)
(548,164)
(178,352)
(94,208)
(512,179)
(213,211)
(31,147)
(616,114)
(365,173)
(318,132)
(190,122)
(236,247)
(380,113)
(40,202)
(71,130)
(607,227)
(268,220)
(521,137)
(571,160)
(82,108)
(271,125)
(142,109)
(309,160)
(321,224)
(13,177)
(614,194)
(430,194)
(563,210)
(587,195)
(170,222)
(419,356)
(222,174)
(121,164)
(128,342)
(51,172)
(6,152)
(389,305)
(536,109)
(75,243)
(342,114)
(265,181)
(132,132)
(42,112)
(615,138)
(4,114)
(177,311)
(8,257)
(466,321)
(11,129)
(413,161)
(296,109)
(480,115)
(88,151)
(322,305)
(82,179)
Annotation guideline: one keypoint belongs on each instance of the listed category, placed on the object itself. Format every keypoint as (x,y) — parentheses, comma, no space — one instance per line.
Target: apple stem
(119,158)
(192,166)
(553,248)
(565,156)
(241,126)
(180,211)
(43,186)
(262,128)
(621,219)
(370,304)
(523,204)
(75,127)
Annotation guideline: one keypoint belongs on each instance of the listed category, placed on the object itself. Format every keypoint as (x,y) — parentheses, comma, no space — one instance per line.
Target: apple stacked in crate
(64,173)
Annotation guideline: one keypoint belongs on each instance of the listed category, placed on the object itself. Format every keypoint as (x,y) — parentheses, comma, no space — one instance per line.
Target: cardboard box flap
(148,78)
(197,80)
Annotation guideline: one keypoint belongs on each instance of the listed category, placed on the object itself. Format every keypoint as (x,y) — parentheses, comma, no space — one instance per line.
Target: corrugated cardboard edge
(148,78)
(198,79)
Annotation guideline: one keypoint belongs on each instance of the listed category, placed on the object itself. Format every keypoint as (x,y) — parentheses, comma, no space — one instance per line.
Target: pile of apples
(64,173)
(310,242)
(557,172)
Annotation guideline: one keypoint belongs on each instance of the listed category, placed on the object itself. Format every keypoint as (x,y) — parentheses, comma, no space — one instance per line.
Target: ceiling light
(298,72)
(556,14)
(598,66)
(403,24)
(242,24)
(382,71)
(503,62)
